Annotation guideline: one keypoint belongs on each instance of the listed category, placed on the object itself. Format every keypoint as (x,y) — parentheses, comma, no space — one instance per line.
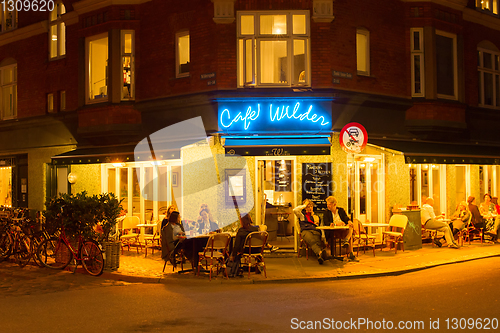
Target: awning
(277,145)
(111,154)
(423,152)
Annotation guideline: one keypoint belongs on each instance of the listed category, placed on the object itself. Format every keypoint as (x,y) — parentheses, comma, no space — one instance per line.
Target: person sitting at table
(308,230)
(431,222)
(488,211)
(460,218)
(336,216)
(170,209)
(205,221)
(172,236)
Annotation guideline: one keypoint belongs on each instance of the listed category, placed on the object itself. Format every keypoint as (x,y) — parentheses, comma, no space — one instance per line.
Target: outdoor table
(335,234)
(143,230)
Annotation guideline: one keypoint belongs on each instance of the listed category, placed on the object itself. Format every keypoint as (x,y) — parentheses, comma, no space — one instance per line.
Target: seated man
(308,230)
(336,216)
(431,222)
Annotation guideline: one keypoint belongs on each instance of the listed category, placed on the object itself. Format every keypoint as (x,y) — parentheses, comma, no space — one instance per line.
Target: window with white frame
(490,6)
(128,64)
(182,54)
(57,30)
(8,98)
(488,68)
(97,68)
(8,16)
(446,65)
(417,62)
(363,51)
(273,48)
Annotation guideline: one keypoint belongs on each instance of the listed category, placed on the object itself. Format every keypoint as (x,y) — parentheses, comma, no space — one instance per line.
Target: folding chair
(215,253)
(253,251)
(396,229)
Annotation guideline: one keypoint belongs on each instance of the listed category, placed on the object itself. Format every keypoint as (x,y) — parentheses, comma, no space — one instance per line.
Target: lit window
(446,65)
(8,16)
(363,51)
(488,75)
(62,104)
(128,65)
(50,103)
(182,54)
(488,6)
(273,48)
(97,68)
(417,62)
(57,35)
(8,97)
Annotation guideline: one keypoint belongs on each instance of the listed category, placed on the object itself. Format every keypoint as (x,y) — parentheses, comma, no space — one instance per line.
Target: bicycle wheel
(5,245)
(92,258)
(22,250)
(37,240)
(54,253)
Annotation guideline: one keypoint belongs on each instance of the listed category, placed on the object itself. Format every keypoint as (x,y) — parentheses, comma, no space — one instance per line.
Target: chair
(470,230)
(429,233)
(215,253)
(129,235)
(253,251)
(153,240)
(396,229)
(302,243)
(362,236)
(173,255)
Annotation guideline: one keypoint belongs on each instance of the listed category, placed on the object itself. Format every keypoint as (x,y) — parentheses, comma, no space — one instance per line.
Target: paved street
(80,303)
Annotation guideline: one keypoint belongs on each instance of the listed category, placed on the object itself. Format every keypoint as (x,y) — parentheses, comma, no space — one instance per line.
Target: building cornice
(454,4)
(483,19)
(85,6)
(23,33)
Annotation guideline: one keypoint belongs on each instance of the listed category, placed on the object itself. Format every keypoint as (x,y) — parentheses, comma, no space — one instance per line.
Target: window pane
(98,66)
(240,61)
(247,22)
(124,187)
(112,181)
(496,62)
(299,25)
(62,39)
(416,69)
(445,66)
(479,55)
(183,54)
(487,63)
(273,24)
(63,100)
(497,93)
(148,192)
(274,62)
(416,41)
(299,61)
(53,14)
(361,50)
(53,41)
(7,75)
(8,97)
(136,192)
(488,89)
(480,87)
(249,58)
(127,43)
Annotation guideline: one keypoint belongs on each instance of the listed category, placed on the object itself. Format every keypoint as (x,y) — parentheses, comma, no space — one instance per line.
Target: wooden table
(335,232)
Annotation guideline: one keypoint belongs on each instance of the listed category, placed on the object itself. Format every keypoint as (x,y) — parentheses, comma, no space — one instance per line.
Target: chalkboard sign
(317,183)
(283,176)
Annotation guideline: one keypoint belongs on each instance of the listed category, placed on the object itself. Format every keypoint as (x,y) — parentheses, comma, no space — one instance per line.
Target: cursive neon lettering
(278,115)
(249,116)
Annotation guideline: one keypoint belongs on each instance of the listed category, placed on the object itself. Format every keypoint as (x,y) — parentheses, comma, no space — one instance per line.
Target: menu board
(317,183)
(283,176)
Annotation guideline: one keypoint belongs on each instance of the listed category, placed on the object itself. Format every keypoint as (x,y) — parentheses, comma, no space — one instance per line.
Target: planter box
(111,251)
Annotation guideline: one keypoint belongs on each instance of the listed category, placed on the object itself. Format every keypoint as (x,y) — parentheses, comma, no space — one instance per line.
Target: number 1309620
(27,5)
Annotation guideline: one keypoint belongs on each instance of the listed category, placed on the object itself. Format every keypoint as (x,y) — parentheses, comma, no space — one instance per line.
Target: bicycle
(58,252)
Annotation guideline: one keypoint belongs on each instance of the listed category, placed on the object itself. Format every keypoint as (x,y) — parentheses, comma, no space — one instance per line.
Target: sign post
(353,139)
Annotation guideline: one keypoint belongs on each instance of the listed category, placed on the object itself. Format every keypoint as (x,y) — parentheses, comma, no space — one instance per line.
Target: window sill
(57,58)
(182,76)
(97,100)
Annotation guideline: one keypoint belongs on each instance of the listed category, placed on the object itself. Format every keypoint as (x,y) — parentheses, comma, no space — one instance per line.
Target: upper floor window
(446,65)
(273,49)
(97,68)
(8,97)
(363,51)
(488,67)
(490,6)
(8,16)
(57,30)
(417,62)
(128,64)
(182,54)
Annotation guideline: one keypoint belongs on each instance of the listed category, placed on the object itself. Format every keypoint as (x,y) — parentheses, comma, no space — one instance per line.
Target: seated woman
(488,211)
(460,218)
(477,219)
(308,230)
(205,221)
(170,209)
(172,236)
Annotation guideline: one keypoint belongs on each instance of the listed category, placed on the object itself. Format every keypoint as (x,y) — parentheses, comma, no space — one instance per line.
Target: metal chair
(396,229)
(129,235)
(215,253)
(152,241)
(362,236)
(253,251)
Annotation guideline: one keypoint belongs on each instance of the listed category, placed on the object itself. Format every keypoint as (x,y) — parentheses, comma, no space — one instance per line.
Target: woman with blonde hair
(460,218)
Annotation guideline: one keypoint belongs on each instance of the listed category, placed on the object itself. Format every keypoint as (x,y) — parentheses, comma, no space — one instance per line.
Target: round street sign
(353,138)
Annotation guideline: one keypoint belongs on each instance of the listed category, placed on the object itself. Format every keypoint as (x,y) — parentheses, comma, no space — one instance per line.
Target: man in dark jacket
(336,216)
(308,230)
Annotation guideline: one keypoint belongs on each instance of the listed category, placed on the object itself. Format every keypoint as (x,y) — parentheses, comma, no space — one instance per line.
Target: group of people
(333,216)
(486,217)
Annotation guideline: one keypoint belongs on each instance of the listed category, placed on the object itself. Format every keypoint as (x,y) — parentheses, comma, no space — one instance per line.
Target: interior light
(434,166)
(425,167)
(369,159)
(362,165)
(54,38)
(118,165)
(157,162)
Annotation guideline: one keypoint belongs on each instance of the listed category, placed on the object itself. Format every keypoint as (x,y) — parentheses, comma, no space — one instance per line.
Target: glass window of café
(6,186)
(162,185)
(488,180)
(97,68)
(428,180)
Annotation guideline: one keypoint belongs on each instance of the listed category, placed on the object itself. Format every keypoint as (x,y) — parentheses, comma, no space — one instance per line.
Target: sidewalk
(287,268)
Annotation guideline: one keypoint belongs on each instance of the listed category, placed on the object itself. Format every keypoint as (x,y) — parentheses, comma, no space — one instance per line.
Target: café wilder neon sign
(275,114)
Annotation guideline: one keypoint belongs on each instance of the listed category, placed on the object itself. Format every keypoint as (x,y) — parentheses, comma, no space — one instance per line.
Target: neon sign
(275,115)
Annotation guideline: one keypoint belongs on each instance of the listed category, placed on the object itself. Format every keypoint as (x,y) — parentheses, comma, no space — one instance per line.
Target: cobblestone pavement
(33,280)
